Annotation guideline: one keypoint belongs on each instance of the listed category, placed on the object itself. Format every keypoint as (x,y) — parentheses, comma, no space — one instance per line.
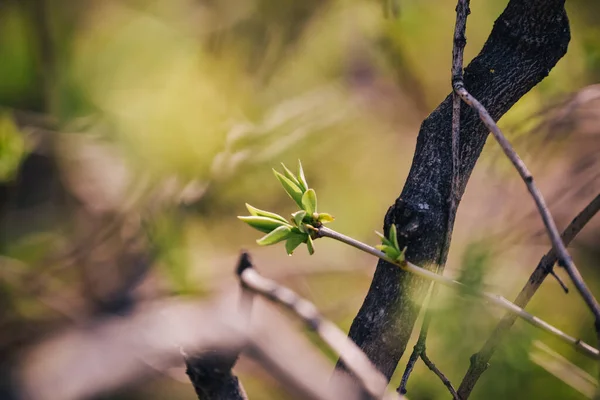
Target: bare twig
(459,43)
(494,299)
(356,361)
(440,375)
(479,361)
(564,258)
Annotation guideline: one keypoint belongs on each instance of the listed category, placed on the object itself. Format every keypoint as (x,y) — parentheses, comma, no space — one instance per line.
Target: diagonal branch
(373,382)
(564,258)
(491,298)
(479,361)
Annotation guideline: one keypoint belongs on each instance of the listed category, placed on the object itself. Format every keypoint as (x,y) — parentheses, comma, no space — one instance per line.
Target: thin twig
(480,360)
(564,258)
(356,361)
(494,299)
(459,43)
(440,375)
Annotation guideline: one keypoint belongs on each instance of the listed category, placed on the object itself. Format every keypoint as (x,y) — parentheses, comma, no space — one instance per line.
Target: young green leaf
(276,236)
(389,251)
(325,218)
(290,175)
(310,246)
(262,213)
(293,242)
(309,201)
(264,224)
(301,177)
(298,216)
(291,188)
(384,240)
(394,237)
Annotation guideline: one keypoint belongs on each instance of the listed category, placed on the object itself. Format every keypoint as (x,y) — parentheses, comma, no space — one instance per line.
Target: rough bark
(211,373)
(213,379)
(526,42)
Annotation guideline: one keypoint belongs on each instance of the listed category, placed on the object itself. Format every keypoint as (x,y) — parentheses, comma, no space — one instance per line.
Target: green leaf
(276,236)
(310,245)
(384,240)
(262,213)
(264,224)
(290,175)
(309,201)
(325,218)
(394,237)
(298,217)
(389,251)
(291,188)
(293,242)
(301,177)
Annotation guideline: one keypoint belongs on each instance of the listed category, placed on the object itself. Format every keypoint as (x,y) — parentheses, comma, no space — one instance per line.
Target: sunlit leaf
(276,236)
(325,218)
(291,188)
(290,175)
(301,177)
(309,201)
(262,213)
(298,217)
(264,224)
(293,242)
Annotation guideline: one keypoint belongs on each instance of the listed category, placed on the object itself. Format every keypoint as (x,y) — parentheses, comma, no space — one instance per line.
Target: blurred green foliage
(213,94)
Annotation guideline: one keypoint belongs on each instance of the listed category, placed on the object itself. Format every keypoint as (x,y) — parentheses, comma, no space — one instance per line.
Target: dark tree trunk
(526,42)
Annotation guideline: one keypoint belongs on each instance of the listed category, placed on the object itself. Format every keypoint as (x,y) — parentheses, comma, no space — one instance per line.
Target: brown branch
(564,258)
(479,361)
(440,375)
(494,299)
(373,382)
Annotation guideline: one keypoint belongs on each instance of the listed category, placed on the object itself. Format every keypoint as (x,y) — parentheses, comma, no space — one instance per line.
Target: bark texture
(213,379)
(526,42)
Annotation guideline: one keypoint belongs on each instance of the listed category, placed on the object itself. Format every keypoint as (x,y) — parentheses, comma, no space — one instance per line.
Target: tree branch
(373,382)
(527,41)
(564,258)
(494,299)
(479,360)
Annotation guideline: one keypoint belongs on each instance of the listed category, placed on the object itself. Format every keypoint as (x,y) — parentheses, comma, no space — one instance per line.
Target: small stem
(496,300)
(439,374)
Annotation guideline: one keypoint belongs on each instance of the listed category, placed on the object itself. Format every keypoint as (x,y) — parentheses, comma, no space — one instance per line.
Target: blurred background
(133,132)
